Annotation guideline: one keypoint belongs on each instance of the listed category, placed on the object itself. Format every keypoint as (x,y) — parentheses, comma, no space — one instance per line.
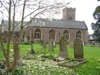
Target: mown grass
(92,54)
(92,67)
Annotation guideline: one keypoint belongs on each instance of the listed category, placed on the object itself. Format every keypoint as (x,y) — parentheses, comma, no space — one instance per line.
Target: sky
(84,11)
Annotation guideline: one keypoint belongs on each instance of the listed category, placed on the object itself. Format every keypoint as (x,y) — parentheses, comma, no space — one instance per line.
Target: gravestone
(78,56)
(50,45)
(44,44)
(25,39)
(78,49)
(63,48)
(54,43)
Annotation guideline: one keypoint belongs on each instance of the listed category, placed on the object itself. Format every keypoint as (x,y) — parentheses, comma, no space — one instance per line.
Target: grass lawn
(48,67)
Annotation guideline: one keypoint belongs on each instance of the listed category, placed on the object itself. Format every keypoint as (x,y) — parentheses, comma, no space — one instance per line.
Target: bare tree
(22,10)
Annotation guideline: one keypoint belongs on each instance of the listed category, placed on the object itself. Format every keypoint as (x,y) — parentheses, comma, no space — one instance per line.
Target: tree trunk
(10,67)
(16,55)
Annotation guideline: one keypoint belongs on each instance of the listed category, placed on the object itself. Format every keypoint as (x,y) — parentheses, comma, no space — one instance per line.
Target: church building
(44,29)
(67,26)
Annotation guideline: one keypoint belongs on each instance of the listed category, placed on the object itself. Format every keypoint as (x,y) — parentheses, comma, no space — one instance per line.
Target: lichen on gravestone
(50,46)
(78,49)
(63,48)
(44,44)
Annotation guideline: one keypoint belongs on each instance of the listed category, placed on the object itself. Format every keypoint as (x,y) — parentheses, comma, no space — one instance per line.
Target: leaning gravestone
(50,46)
(78,49)
(63,48)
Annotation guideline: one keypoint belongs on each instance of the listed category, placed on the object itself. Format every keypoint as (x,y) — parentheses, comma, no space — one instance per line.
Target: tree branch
(9,29)
(3,6)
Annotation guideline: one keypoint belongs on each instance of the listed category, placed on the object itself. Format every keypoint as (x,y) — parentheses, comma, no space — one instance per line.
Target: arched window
(66,34)
(37,34)
(52,34)
(78,34)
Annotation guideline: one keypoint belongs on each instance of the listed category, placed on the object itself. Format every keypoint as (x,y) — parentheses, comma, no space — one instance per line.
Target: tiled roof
(5,25)
(62,24)
(51,24)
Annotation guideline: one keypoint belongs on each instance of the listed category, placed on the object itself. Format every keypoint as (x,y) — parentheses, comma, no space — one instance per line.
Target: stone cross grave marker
(50,46)
(63,48)
(78,49)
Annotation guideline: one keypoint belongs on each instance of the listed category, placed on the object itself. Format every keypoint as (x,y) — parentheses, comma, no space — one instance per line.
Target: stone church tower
(69,14)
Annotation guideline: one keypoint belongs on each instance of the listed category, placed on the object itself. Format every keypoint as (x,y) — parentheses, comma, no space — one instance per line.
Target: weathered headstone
(25,39)
(32,45)
(44,44)
(78,49)
(54,43)
(78,56)
(50,45)
(63,48)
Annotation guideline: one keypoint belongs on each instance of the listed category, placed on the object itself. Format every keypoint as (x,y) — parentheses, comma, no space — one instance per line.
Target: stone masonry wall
(59,33)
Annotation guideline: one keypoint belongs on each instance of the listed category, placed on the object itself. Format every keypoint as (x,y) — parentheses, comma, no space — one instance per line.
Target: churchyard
(46,59)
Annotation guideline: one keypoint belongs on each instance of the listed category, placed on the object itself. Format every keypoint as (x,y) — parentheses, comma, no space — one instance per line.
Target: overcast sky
(84,11)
